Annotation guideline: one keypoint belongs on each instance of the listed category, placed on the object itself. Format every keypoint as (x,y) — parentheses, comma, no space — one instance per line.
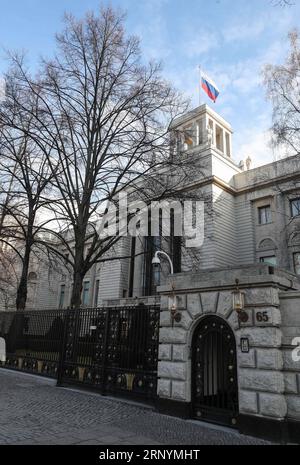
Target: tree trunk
(79,264)
(77,289)
(23,284)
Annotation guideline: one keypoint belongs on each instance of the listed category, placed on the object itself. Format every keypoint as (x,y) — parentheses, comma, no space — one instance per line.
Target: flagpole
(199,84)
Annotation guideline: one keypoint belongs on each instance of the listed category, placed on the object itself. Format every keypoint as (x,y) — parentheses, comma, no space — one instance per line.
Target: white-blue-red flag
(209,87)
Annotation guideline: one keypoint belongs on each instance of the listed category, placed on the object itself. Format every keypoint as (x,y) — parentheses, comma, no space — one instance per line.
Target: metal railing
(110,349)
(33,340)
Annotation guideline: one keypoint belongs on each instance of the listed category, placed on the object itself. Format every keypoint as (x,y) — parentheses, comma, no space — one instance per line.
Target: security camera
(155,261)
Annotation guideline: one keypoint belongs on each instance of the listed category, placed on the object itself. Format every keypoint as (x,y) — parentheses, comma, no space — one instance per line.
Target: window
(175,246)
(267,244)
(62,295)
(200,132)
(296,260)
(85,293)
(264,214)
(188,138)
(96,292)
(271,260)
(132,266)
(219,138)
(227,142)
(295,207)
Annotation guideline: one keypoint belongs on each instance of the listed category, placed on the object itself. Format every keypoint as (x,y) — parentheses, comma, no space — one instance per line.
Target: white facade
(235,235)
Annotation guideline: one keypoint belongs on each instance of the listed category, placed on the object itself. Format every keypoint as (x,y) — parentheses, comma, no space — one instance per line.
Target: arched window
(294,243)
(267,251)
(267,244)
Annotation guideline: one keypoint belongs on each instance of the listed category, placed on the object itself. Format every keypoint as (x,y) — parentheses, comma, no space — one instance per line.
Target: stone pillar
(214,141)
(174,363)
(289,305)
(224,141)
(261,379)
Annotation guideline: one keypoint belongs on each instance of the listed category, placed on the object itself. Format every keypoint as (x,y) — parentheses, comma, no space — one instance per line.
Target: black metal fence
(33,340)
(113,350)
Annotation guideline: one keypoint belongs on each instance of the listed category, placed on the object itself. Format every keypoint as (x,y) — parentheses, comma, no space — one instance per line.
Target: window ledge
(264,224)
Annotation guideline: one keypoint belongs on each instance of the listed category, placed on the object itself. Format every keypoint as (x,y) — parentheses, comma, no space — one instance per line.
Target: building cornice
(215,180)
(269,182)
(198,112)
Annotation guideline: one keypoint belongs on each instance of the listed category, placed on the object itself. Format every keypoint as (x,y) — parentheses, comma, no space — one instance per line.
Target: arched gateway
(214,372)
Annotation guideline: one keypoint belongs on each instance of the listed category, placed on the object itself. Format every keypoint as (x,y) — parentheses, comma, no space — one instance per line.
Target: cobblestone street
(35,411)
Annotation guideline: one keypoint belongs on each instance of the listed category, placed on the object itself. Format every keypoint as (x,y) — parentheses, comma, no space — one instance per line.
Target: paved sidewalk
(34,411)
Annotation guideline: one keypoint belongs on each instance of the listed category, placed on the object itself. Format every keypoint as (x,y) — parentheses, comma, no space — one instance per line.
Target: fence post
(104,360)
(63,349)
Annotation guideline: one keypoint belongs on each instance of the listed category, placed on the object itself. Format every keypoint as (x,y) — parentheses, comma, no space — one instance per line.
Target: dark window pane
(62,295)
(264,214)
(295,207)
(270,260)
(96,292)
(175,247)
(85,293)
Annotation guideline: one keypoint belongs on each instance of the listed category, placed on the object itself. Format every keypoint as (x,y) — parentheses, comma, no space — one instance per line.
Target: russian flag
(209,87)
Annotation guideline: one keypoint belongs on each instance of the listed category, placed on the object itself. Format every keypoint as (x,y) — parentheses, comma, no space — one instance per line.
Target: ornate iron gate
(113,350)
(33,340)
(214,372)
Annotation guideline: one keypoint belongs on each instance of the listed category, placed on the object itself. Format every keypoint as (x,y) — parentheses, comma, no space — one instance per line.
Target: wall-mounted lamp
(238,298)
(156,259)
(175,315)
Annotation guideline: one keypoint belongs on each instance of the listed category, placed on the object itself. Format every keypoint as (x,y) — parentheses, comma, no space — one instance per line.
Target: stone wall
(262,377)
(290,311)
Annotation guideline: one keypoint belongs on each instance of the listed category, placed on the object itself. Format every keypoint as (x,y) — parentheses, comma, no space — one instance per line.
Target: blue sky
(231,39)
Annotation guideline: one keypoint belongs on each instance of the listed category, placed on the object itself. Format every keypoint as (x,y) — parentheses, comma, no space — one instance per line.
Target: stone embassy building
(230,354)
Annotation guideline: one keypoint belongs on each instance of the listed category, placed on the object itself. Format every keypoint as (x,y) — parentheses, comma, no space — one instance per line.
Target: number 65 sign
(262,317)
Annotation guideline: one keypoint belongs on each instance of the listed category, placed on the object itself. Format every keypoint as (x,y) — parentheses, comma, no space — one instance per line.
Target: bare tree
(102,123)
(9,268)
(283,90)
(25,184)
(282,2)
